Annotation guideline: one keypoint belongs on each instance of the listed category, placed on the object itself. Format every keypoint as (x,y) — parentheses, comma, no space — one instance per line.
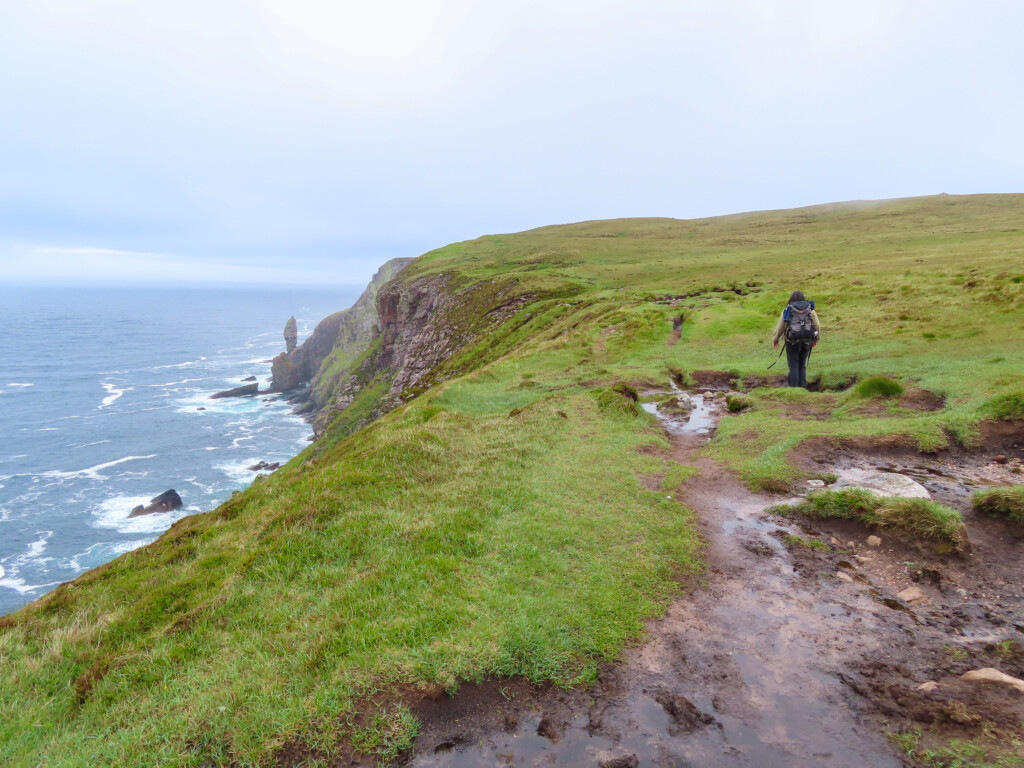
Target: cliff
(336,342)
(401,336)
(509,513)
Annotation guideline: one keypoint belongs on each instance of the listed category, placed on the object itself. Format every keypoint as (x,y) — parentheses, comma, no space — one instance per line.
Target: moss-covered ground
(496,523)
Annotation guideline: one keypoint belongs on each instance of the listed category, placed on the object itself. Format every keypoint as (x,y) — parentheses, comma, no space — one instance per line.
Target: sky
(303,141)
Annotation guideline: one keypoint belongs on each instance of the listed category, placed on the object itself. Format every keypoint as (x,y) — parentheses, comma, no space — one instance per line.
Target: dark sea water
(100,390)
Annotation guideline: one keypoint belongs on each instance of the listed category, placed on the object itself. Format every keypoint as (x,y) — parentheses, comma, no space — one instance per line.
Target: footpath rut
(749,669)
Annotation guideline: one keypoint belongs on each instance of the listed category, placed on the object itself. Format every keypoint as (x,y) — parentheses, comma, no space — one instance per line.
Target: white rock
(989,675)
(683,402)
(844,576)
(834,541)
(709,393)
(815,483)
(928,687)
(862,558)
(880,483)
(874,541)
(912,595)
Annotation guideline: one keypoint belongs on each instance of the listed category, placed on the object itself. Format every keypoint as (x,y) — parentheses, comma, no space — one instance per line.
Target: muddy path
(791,653)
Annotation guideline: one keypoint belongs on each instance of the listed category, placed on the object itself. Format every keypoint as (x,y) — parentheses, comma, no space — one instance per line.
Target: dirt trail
(751,669)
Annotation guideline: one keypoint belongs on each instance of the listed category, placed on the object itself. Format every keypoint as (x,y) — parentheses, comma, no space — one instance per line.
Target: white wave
(113,393)
(19,384)
(175,383)
(238,470)
(37,547)
(15,562)
(113,513)
(93,473)
(101,553)
(19,585)
(48,429)
(226,405)
(211,448)
(178,365)
(86,445)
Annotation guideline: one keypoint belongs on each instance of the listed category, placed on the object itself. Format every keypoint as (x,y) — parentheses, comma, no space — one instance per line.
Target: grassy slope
(450,541)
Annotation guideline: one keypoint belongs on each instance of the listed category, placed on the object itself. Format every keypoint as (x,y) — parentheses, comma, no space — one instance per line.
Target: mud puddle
(750,669)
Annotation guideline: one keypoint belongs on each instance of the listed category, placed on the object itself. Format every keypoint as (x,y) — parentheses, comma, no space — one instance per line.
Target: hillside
(486,500)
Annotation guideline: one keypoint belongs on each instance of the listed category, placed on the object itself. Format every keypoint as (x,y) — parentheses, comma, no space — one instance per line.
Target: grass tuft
(907,518)
(879,386)
(1002,502)
(1005,407)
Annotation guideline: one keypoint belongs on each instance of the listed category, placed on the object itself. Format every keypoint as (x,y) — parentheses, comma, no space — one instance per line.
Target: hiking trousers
(797,353)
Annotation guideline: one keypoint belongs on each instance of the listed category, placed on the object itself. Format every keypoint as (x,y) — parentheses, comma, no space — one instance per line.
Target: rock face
(880,483)
(167,501)
(396,340)
(335,344)
(248,390)
(291,335)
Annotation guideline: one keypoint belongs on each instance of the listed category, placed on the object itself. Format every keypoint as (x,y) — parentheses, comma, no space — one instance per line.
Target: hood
(801,305)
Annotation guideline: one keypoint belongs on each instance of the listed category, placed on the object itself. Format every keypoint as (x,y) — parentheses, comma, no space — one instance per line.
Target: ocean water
(101,391)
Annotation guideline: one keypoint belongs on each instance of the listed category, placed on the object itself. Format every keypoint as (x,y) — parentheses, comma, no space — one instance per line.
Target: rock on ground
(880,483)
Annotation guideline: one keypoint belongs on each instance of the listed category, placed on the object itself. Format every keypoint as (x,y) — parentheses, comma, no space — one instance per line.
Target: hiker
(799,324)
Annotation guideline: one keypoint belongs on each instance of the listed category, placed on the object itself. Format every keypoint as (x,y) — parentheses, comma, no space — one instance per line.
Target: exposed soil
(777,659)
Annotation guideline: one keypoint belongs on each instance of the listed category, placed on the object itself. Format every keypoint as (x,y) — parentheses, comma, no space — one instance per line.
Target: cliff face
(338,340)
(426,326)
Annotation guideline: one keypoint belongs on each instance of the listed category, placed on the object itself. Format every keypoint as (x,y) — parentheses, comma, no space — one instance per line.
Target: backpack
(801,326)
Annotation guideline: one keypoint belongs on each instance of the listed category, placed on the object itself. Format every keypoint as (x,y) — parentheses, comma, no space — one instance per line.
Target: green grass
(912,519)
(800,541)
(1001,502)
(496,522)
(1005,407)
(879,386)
(959,753)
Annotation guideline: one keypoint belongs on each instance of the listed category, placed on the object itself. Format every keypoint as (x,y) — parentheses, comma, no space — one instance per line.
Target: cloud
(106,265)
(340,134)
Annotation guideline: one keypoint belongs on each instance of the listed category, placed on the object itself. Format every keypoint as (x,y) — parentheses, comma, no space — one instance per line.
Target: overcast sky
(306,141)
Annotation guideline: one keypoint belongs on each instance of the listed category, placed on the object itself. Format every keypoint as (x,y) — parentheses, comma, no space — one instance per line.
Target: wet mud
(797,649)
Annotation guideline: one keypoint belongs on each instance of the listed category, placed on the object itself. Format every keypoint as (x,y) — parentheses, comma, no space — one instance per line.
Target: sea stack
(291,334)
(168,501)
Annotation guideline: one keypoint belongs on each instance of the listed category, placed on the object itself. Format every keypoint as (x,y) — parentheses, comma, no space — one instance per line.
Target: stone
(880,483)
(814,483)
(249,378)
(912,596)
(291,335)
(989,675)
(834,541)
(264,466)
(874,541)
(686,718)
(928,687)
(709,393)
(167,501)
(683,402)
(862,558)
(844,577)
(1000,459)
(626,761)
(248,390)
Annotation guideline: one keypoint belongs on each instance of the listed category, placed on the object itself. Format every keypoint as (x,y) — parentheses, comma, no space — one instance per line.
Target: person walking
(801,329)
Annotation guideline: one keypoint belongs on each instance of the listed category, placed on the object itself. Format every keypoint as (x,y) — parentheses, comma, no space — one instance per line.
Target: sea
(105,403)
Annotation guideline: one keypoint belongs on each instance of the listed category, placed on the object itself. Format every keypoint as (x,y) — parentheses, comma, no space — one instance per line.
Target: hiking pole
(777,358)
